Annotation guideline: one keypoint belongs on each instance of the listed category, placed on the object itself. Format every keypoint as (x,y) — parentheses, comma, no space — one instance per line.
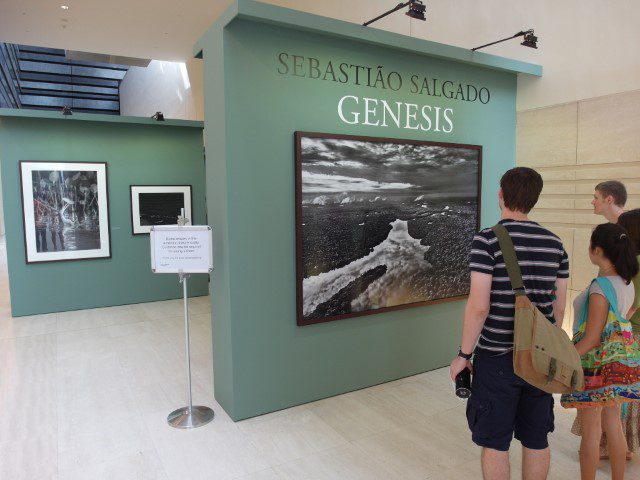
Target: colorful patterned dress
(612,370)
(631,418)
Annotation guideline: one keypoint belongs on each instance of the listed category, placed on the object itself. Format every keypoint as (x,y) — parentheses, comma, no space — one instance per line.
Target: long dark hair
(630,221)
(617,247)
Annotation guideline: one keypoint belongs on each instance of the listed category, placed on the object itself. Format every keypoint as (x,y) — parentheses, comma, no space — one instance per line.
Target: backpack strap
(510,259)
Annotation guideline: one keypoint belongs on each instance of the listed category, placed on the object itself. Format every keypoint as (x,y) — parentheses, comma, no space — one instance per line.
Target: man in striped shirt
(503,405)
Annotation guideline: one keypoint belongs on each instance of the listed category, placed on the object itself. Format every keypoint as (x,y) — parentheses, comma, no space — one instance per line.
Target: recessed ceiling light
(64,7)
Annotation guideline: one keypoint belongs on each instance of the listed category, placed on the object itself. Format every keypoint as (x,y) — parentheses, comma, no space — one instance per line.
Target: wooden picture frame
(353,194)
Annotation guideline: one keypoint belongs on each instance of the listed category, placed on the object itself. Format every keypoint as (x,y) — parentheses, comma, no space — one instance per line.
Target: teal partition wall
(138,152)
(268,73)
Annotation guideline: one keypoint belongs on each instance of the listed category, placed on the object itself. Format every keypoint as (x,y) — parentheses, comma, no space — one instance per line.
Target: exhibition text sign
(181,249)
(353,109)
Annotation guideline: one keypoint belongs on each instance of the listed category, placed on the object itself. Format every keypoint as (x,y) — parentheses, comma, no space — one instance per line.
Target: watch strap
(466,356)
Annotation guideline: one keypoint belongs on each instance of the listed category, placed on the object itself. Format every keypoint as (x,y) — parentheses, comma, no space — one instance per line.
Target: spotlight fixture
(64,7)
(158,116)
(416,10)
(530,40)
(67,110)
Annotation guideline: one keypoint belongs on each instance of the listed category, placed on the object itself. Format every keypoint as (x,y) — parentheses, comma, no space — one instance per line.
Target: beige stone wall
(575,146)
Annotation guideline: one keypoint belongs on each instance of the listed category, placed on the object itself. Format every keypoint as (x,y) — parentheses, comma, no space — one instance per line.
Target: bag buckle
(574,380)
(553,368)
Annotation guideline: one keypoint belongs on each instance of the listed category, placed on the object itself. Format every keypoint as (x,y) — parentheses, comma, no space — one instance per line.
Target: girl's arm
(598,312)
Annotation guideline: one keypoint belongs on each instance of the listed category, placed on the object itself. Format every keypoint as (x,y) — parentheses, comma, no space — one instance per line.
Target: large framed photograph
(153,205)
(65,210)
(381,223)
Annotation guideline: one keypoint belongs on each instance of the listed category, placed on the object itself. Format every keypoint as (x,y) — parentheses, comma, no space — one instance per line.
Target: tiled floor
(85,396)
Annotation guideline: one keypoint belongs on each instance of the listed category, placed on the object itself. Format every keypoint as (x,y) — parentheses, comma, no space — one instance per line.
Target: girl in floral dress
(610,356)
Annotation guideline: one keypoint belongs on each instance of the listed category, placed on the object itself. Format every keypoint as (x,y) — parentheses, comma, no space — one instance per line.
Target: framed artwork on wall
(153,205)
(382,223)
(65,210)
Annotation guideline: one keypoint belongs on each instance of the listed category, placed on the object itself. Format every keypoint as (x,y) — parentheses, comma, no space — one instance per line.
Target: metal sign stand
(189,416)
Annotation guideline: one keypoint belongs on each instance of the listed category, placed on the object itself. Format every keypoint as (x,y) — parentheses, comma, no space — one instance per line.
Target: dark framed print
(382,223)
(153,205)
(65,209)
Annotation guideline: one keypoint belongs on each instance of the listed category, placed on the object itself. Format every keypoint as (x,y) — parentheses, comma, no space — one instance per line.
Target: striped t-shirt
(542,260)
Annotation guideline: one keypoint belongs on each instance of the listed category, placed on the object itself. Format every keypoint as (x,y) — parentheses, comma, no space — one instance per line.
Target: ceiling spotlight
(416,10)
(530,40)
(64,7)
(158,116)
(67,111)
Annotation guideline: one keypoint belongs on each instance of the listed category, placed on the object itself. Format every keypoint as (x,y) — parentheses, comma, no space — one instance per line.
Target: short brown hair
(615,189)
(630,221)
(521,187)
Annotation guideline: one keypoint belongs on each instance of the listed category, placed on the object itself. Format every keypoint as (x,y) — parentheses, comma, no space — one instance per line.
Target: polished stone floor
(85,395)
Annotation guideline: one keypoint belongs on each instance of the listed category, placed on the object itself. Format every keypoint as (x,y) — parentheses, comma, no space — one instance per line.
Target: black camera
(463,383)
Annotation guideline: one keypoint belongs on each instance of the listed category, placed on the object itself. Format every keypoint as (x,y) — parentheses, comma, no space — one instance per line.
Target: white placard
(184,249)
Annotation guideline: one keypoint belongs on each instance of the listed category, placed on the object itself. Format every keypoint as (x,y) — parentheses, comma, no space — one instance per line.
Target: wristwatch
(466,356)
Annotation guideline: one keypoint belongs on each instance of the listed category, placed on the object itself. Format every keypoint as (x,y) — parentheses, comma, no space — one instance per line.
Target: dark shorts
(502,406)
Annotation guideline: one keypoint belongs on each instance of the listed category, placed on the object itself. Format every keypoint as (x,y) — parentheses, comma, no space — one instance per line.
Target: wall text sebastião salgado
(371,111)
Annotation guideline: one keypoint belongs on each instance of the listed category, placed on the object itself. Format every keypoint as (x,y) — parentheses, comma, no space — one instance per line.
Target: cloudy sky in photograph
(331,166)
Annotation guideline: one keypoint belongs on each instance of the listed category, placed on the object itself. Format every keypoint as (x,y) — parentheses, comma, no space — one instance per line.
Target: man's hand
(457,365)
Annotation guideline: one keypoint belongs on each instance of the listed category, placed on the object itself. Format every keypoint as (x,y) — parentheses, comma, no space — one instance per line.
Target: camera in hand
(463,383)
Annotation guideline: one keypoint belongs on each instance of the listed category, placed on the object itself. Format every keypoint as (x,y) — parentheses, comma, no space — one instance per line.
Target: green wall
(263,361)
(136,153)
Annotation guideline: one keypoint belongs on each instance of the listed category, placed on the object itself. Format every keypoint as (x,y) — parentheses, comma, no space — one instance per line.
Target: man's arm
(475,314)
(560,303)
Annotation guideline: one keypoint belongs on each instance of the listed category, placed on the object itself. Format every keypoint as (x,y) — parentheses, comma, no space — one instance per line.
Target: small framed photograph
(153,205)
(65,209)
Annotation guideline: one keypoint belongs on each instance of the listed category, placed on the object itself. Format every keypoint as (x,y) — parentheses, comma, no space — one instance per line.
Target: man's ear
(500,195)
(609,200)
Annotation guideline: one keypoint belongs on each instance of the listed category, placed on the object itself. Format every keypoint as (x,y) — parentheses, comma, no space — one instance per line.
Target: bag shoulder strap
(510,259)
(610,294)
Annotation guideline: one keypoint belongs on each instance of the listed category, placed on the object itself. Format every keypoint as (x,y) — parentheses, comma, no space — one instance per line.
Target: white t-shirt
(624,293)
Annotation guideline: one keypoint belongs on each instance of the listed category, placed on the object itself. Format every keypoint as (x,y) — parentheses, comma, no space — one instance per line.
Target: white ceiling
(155,29)
(587,47)
(164,30)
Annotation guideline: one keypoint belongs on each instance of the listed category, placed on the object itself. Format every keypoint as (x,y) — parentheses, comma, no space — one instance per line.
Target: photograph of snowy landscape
(382,223)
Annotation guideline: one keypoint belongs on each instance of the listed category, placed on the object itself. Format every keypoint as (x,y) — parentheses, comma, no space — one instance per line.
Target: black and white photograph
(153,205)
(382,223)
(65,210)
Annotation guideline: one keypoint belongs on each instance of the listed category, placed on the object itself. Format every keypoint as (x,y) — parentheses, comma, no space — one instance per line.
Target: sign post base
(190,417)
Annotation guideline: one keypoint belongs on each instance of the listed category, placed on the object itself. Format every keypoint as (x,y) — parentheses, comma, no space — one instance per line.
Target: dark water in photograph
(392,251)
(160,208)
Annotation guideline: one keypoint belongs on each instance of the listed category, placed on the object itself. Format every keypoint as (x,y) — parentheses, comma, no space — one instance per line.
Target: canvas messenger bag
(543,354)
